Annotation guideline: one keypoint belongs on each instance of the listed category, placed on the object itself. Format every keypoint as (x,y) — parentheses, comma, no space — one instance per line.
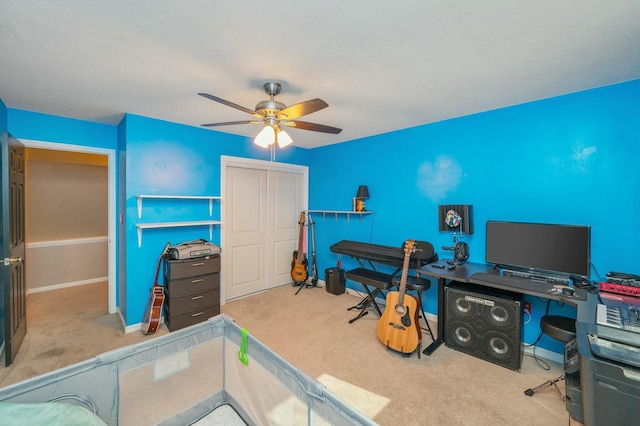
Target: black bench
(369,277)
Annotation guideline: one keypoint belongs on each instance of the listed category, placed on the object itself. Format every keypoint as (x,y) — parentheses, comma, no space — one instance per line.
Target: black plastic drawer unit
(192,291)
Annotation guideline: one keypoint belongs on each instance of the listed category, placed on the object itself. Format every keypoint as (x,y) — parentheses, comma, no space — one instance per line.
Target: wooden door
(13,245)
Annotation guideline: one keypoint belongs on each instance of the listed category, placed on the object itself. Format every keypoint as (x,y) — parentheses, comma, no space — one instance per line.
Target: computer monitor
(558,249)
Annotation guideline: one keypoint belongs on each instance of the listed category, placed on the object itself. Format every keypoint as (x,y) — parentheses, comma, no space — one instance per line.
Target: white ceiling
(380,65)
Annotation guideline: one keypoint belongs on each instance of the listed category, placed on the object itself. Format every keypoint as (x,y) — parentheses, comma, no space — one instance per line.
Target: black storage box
(334,280)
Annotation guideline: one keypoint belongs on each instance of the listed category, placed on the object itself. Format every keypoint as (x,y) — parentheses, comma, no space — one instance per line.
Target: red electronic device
(627,290)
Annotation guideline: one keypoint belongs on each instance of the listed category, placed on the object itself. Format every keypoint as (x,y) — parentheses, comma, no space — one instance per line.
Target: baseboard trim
(135,327)
(546,354)
(67,285)
(131,328)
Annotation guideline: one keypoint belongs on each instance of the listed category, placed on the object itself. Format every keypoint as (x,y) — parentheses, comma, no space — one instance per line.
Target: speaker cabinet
(334,280)
(485,323)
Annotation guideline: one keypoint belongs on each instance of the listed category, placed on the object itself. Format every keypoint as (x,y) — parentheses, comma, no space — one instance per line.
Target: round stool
(559,327)
(562,329)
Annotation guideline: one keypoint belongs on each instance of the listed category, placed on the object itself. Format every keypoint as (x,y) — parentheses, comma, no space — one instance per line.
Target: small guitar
(299,272)
(152,314)
(314,267)
(398,326)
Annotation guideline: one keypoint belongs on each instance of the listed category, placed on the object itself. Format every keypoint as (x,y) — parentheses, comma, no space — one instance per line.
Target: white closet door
(262,210)
(285,204)
(245,268)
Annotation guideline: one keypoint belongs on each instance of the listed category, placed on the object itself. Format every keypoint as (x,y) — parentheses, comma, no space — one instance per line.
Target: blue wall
(50,128)
(168,158)
(3,116)
(571,159)
(153,157)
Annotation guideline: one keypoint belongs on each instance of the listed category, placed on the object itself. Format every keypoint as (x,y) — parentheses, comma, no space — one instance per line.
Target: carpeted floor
(67,326)
(311,330)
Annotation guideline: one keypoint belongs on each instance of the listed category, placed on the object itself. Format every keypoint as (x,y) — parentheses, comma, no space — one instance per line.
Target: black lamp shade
(363,192)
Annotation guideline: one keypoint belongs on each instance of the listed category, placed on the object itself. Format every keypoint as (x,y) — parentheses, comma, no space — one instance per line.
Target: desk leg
(440,338)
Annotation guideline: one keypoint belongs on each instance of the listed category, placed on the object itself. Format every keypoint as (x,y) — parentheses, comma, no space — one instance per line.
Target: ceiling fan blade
(229,123)
(303,108)
(304,125)
(230,104)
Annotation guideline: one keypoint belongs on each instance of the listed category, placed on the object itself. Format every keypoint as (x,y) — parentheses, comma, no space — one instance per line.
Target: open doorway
(66,219)
(58,260)
(96,243)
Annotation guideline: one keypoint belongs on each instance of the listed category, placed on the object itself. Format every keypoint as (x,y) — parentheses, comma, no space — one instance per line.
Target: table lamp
(358,200)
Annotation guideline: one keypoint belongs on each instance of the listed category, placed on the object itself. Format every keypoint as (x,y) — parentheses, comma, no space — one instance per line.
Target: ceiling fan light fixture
(272,114)
(266,137)
(283,138)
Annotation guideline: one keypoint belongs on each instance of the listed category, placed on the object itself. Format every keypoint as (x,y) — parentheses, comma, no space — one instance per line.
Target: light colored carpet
(311,330)
(67,326)
(368,403)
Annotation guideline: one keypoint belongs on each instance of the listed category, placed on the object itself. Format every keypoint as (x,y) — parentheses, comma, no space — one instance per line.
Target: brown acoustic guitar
(398,326)
(151,318)
(299,272)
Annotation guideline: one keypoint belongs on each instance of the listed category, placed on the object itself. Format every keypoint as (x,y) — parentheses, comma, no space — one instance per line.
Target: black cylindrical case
(334,280)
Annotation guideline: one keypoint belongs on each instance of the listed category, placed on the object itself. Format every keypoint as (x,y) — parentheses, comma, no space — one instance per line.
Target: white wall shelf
(142,226)
(178,197)
(337,213)
(210,223)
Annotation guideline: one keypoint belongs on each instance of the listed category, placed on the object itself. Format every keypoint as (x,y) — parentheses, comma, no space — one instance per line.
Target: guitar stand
(302,285)
(407,354)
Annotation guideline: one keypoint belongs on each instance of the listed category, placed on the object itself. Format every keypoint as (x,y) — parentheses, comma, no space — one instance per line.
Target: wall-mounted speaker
(463,211)
(485,323)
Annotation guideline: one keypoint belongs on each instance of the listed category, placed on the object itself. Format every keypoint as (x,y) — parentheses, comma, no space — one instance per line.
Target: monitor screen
(563,249)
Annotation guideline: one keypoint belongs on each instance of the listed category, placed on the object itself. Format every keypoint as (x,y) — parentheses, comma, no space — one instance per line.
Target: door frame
(249,163)
(111,202)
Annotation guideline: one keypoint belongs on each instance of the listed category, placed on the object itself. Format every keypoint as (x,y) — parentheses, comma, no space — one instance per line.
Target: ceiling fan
(274,115)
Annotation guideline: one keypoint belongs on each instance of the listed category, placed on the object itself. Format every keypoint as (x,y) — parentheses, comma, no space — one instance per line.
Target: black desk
(485,275)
